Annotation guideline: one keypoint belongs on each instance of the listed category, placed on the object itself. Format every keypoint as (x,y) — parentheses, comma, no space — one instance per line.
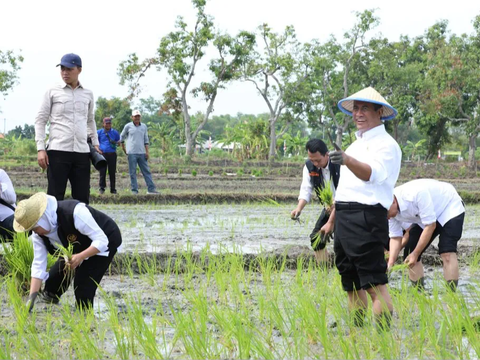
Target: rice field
(219,293)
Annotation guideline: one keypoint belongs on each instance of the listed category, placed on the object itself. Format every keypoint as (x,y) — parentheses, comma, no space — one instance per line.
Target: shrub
(194,172)
(210,173)
(180,172)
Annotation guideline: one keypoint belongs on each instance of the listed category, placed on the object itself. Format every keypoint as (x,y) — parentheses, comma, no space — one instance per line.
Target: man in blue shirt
(109,139)
(136,136)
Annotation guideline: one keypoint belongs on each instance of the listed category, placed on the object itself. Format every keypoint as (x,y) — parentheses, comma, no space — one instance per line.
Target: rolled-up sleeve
(86,225)
(41,121)
(7,192)
(394,228)
(306,186)
(39,264)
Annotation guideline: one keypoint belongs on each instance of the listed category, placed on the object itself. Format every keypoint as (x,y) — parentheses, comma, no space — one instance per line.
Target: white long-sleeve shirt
(423,202)
(70,114)
(7,193)
(378,149)
(85,224)
(306,187)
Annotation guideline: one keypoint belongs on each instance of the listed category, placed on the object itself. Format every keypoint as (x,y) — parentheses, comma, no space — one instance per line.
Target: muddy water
(248,228)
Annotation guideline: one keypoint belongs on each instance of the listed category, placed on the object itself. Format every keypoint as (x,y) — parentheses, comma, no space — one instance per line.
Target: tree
(179,53)
(9,66)
(281,75)
(28,132)
(115,107)
(339,71)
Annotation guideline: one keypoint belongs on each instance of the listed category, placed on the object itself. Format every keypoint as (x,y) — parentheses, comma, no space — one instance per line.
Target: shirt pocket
(81,106)
(58,105)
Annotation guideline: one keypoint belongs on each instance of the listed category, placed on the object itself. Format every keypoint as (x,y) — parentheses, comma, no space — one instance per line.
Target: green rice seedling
(18,256)
(66,253)
(326,194)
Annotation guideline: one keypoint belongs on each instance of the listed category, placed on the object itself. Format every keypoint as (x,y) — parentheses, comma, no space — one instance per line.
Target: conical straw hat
(29,211)
(370,95)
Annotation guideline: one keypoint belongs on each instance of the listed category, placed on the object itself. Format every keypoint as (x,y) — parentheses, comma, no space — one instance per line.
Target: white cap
(136,112)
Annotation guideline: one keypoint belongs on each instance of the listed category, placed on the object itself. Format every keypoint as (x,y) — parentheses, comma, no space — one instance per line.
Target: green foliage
(210,173)
(117,108)
(326,194)
(9,67)
(27,132)
(180,172)
(194,172)
(18,256)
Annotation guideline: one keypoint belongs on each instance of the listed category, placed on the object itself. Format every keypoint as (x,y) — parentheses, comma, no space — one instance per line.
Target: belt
(355,206)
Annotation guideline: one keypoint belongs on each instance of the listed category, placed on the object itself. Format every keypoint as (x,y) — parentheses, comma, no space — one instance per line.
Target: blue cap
(70,61)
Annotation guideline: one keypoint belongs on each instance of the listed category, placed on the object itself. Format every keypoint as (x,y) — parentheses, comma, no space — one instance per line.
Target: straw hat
(370,95)
(29,211)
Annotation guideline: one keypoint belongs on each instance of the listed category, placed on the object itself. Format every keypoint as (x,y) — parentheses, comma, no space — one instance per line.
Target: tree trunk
(273,143)
(472,146)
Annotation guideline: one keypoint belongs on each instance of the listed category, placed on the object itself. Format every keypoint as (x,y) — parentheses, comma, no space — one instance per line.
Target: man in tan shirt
(68,108)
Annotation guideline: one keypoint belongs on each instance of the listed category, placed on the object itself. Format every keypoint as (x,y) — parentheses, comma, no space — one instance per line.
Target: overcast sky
(104,32)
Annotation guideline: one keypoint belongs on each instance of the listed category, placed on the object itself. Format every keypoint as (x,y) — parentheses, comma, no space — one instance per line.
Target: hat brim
(68,65)
(346,106)
(43,206)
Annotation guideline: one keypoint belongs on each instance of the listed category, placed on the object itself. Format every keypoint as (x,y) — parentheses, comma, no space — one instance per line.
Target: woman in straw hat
(371,166)
(95,238)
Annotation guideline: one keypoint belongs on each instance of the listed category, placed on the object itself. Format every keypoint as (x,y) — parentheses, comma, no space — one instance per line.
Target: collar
(139,124)
(79,85)
(371,133)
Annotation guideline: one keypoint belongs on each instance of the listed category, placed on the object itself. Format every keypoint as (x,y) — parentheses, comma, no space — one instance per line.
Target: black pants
(360,232)
(319,244)
(111,158)
(6,229)
(86,277)
(72,166)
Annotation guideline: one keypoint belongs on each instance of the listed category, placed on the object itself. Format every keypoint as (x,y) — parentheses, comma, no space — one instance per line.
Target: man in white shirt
(318,170)
(434,208)
(370,168)
(8,199)
(68,108)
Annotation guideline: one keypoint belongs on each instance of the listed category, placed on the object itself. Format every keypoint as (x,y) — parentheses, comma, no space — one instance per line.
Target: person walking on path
(433,208)
(317,172)
(95,238)
(68,108)
(109,139)
(369,171)
(136,136)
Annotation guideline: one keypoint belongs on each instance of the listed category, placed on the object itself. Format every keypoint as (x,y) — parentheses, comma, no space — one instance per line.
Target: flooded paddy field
(240,281)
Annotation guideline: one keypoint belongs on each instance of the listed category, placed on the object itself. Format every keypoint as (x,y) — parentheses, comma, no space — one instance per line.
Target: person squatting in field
(369,171)
(433,208)
(95,238)
(317,171)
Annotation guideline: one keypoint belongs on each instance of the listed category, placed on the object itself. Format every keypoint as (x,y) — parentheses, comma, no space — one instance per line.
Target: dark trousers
(111,158)
(6,229)
(72,166)
(86,277)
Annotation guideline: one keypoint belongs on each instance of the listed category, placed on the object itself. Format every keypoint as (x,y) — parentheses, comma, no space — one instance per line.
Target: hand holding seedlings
(31,301)
(74,261)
